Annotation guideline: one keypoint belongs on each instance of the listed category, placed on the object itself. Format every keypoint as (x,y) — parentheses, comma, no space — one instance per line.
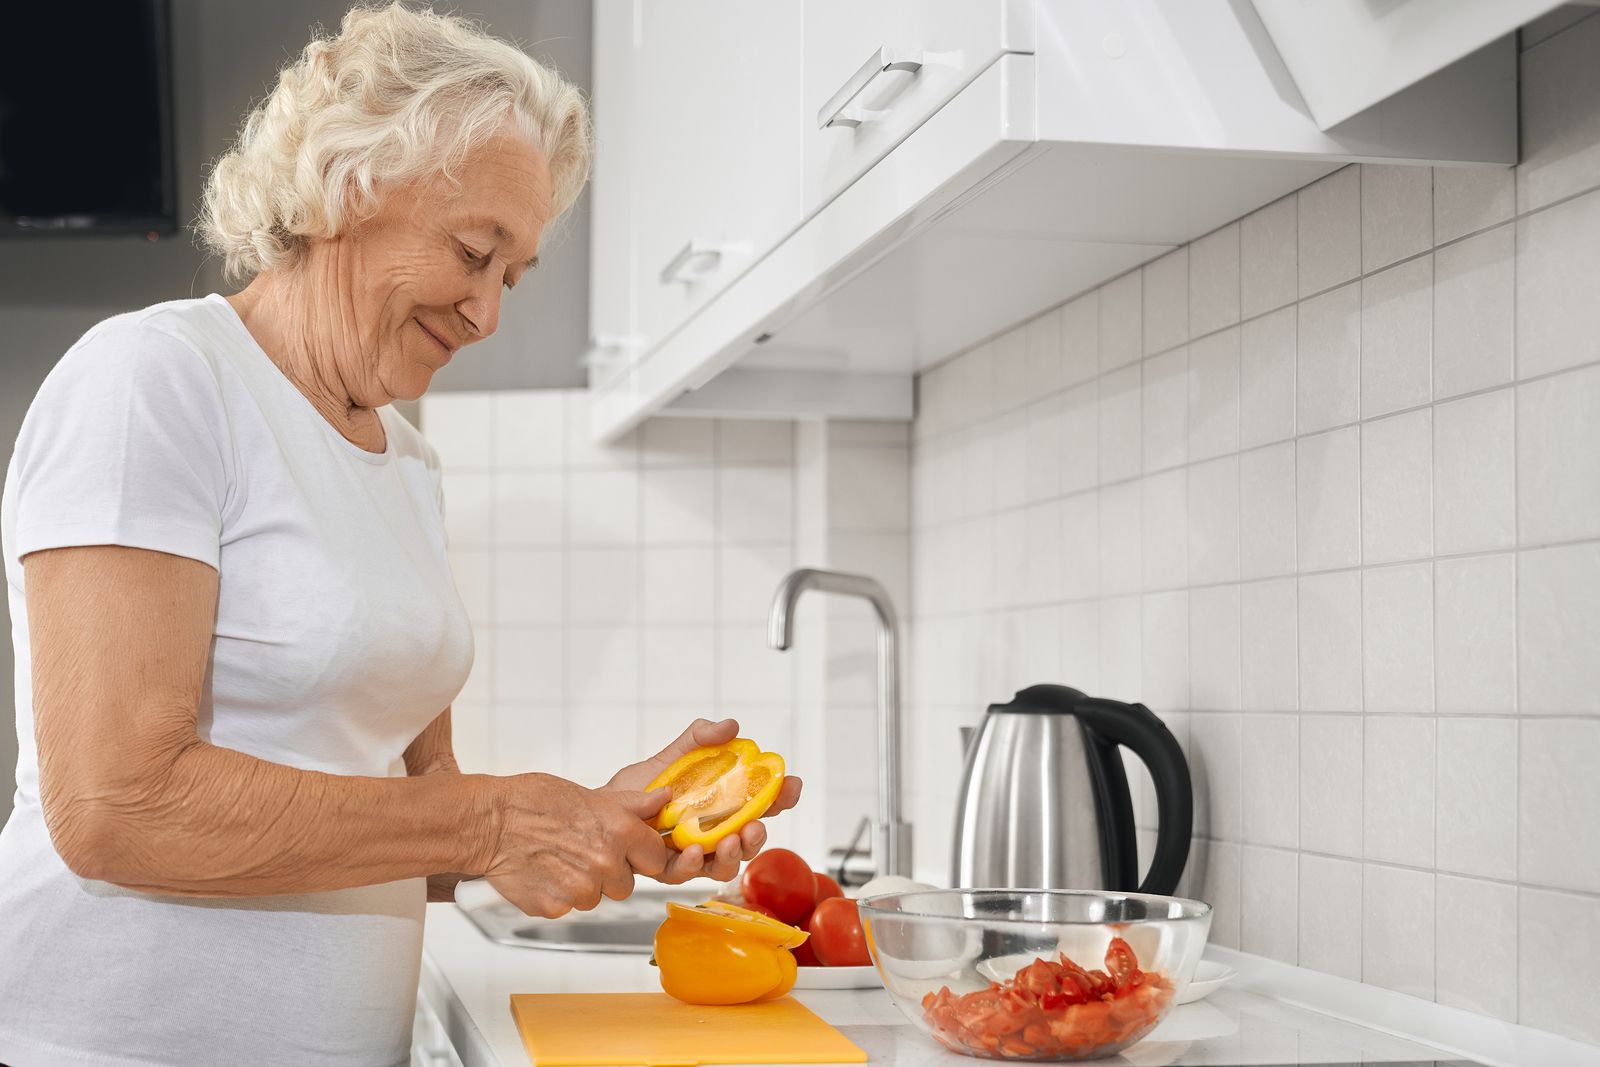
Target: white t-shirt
(339,637)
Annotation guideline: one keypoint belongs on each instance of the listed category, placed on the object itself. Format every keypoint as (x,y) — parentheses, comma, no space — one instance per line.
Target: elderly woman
(237,636)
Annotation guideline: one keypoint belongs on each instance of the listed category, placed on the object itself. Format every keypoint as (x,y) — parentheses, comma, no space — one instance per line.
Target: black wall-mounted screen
(86,118)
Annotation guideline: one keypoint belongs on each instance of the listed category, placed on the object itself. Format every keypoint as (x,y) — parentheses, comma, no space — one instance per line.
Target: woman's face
(426,274)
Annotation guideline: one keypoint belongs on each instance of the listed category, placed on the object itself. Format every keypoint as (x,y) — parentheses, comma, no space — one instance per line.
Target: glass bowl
(962,965)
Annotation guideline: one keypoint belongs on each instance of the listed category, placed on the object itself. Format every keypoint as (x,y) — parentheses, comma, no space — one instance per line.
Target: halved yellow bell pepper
(719,953)
(734,777)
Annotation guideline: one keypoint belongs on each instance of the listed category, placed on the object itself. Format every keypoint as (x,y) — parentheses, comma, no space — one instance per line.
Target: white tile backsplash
(1474,618)
(1213,395)
(1397,337)
(1269,892)
(1214,281)
(1474,321)
(1328,362)
(1330,642)
(1489,910)
(1121,397)
(1330,231)
(1558,797)
(1269,770)
(1474,474)
(1397,638)
(1558,458)
(678,442)
(1477,797)
(1214,648)
(1557,966)
(1268,643)
(1080,339)
(528,428)
(1330,775)
(1397,763)
(679,585)
(1042,351)
(527,507)
(1267,378)
(1166,301)
(528,587)
(1164,410)
(1558,256)
(1009,366)
(1396,488)
(1558,630)
(1165,522)
(1268,249)
(1396,214)
(1121,320)
(1267,519)
(1469,199)
(1396,938)
(1328,499)
(1340,527)
(1330,915)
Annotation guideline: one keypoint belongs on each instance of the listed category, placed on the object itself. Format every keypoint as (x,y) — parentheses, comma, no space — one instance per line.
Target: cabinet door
(848,44)
(716,162)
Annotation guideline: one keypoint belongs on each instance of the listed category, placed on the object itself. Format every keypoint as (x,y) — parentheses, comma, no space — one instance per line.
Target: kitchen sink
(613,926)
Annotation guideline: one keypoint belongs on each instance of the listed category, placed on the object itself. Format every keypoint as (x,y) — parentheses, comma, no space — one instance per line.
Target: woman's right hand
(561,846)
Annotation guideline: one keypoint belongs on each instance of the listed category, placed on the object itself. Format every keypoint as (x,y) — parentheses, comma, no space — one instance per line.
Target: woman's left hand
(694,862)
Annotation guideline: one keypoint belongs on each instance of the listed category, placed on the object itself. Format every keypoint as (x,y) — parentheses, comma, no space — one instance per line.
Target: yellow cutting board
(583,1029)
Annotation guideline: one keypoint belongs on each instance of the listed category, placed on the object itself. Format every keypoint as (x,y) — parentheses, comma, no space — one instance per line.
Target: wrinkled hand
(561,846)
(693,862)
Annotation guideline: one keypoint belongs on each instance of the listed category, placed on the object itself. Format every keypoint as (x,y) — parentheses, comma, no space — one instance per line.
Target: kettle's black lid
(1042,700)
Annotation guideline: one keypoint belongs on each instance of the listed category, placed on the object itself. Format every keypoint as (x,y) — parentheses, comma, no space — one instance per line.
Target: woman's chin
(412,384)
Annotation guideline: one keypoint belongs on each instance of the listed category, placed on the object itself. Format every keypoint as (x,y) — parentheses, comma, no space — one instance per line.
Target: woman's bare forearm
(224,824)
(132,795)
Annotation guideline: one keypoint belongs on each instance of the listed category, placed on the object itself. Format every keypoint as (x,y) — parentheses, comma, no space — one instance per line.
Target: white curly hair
(397,96)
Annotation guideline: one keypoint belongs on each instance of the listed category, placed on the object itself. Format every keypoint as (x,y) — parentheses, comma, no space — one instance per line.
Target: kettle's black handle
(1137,727)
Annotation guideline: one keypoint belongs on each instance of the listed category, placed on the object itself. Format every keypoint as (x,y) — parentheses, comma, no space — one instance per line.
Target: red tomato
(836,934)
(805,956)
(780,880)
(826,887)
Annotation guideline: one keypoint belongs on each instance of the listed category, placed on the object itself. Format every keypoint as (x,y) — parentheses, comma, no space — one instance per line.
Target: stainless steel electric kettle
(1044,800)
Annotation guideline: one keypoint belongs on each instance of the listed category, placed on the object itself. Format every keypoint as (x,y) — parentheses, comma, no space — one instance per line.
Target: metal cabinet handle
(698,259)
(837,111)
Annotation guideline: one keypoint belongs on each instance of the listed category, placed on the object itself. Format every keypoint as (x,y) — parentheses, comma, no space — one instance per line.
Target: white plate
(1208,978)
(838,978)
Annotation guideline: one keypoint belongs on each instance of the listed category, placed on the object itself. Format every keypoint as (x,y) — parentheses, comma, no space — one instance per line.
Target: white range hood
(1116,132)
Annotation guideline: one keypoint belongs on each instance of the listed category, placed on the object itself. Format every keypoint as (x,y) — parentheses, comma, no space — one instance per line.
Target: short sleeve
(125,444)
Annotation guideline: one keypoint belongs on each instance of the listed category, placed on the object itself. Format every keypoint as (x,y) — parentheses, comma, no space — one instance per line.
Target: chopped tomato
(1054,1009)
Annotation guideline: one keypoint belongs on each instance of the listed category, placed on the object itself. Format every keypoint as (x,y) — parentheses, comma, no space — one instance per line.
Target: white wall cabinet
(875,72)
(1037,149)
(703,159)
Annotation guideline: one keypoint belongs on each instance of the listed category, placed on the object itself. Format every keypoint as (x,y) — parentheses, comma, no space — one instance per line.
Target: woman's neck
(315,347)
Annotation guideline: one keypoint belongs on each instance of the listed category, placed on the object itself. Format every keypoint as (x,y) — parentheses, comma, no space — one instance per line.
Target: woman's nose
(481,308)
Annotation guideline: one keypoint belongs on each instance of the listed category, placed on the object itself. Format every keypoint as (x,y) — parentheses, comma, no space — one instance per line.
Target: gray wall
(226,57)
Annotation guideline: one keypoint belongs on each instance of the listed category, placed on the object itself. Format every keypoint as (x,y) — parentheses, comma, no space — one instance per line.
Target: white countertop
(468,981)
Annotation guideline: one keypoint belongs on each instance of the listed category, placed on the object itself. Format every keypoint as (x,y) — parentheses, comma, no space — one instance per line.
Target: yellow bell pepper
(734,777)
(718,953)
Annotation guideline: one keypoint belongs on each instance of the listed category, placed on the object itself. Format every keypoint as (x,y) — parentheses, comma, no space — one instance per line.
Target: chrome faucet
(891,836)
